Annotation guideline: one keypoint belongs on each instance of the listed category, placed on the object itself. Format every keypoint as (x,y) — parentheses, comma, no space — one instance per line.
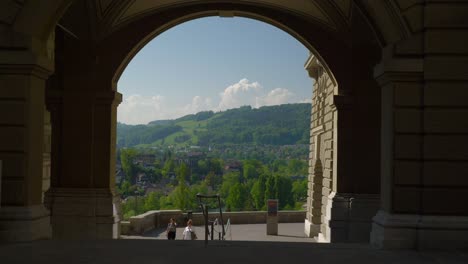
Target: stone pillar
(22,87)
(347,211)
(343,195)
(315,178)
(82,192)
(425,134)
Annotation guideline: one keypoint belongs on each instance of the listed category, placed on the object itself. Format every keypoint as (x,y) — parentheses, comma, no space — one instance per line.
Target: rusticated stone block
(445,173)
(406,200)
(407,120)
(446,121)
(408,146)
(407,94)
(407,172)
(446,147)
(438,93)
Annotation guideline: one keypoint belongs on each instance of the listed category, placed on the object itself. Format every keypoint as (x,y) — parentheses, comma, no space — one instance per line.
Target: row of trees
(245,189)
(236,195)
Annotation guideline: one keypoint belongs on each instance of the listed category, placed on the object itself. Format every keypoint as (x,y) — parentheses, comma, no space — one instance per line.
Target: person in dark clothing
(171,229)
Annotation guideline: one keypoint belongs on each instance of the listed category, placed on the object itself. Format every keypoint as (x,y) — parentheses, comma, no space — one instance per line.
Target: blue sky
(213,64)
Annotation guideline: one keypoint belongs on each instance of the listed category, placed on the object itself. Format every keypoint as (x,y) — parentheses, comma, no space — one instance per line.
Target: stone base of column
(348,217)
(21,224)
(310,229)
(402,231)
(83,213)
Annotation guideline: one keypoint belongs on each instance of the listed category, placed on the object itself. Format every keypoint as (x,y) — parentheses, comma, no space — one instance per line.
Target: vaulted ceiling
(109,15)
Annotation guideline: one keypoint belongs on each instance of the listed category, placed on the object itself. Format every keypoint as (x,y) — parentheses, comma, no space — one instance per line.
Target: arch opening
(261,162)
(101,57)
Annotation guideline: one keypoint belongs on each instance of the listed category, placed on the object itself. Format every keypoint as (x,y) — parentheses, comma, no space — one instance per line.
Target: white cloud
(276,97)
(253,94)
(306,100)
(138,109)
(239,94)
(197,104)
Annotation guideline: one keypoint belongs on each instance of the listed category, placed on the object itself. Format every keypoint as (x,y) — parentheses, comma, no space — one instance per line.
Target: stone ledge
(154,219)
(21,224)
(405,231)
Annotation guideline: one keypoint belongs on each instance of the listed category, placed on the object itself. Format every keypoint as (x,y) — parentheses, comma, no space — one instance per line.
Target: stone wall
(344,155)
(424,81)
(140,224)
(321,148)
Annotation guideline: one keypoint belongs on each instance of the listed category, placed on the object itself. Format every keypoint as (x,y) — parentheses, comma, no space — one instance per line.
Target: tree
(194,190)
(127,157)
(216,166)
(279,166)
(229,180)
(297,167)
(258,192)
(284,191)
(249,171)
(126,189)
(210,179)
(299,190)
(166,202)
(237,197)
(279,187)
(181,192)
(270,192)
(151,202)
(168,168)
(183,172)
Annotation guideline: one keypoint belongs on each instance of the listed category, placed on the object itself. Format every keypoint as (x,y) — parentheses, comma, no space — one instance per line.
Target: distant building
(233,166)
(146,160)
(191,158)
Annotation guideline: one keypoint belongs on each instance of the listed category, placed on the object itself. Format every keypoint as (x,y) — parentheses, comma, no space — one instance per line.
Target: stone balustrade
(140,224)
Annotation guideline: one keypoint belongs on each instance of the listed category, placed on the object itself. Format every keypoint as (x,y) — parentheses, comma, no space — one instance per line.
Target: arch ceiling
(114,14)
(107,19)
(37,18)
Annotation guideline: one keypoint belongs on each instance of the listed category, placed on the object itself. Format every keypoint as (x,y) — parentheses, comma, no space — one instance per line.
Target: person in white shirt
(189,232)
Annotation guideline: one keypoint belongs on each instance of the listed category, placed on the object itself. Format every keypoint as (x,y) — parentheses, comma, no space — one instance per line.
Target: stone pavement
(153,251)
(287,232)
(154,248)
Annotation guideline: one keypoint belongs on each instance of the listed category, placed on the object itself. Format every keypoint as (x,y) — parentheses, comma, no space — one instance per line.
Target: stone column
(82,192)
(425,134)
(314,199)
(402,141)
(22,85)
(343,195)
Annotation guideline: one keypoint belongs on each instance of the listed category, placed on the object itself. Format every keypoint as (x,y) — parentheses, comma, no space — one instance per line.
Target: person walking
(171,229)
(189,232)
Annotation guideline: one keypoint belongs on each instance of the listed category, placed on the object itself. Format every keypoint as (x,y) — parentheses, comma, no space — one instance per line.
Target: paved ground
(155,249)
(287,232)
(186,252)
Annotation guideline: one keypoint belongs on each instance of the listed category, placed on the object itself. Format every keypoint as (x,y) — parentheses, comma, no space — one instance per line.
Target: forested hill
(273,125)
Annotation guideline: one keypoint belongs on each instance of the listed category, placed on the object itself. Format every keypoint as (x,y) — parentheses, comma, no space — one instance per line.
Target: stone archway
(423,132)
(84,91)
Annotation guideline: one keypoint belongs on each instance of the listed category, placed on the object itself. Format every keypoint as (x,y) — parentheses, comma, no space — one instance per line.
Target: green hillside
(272,125)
